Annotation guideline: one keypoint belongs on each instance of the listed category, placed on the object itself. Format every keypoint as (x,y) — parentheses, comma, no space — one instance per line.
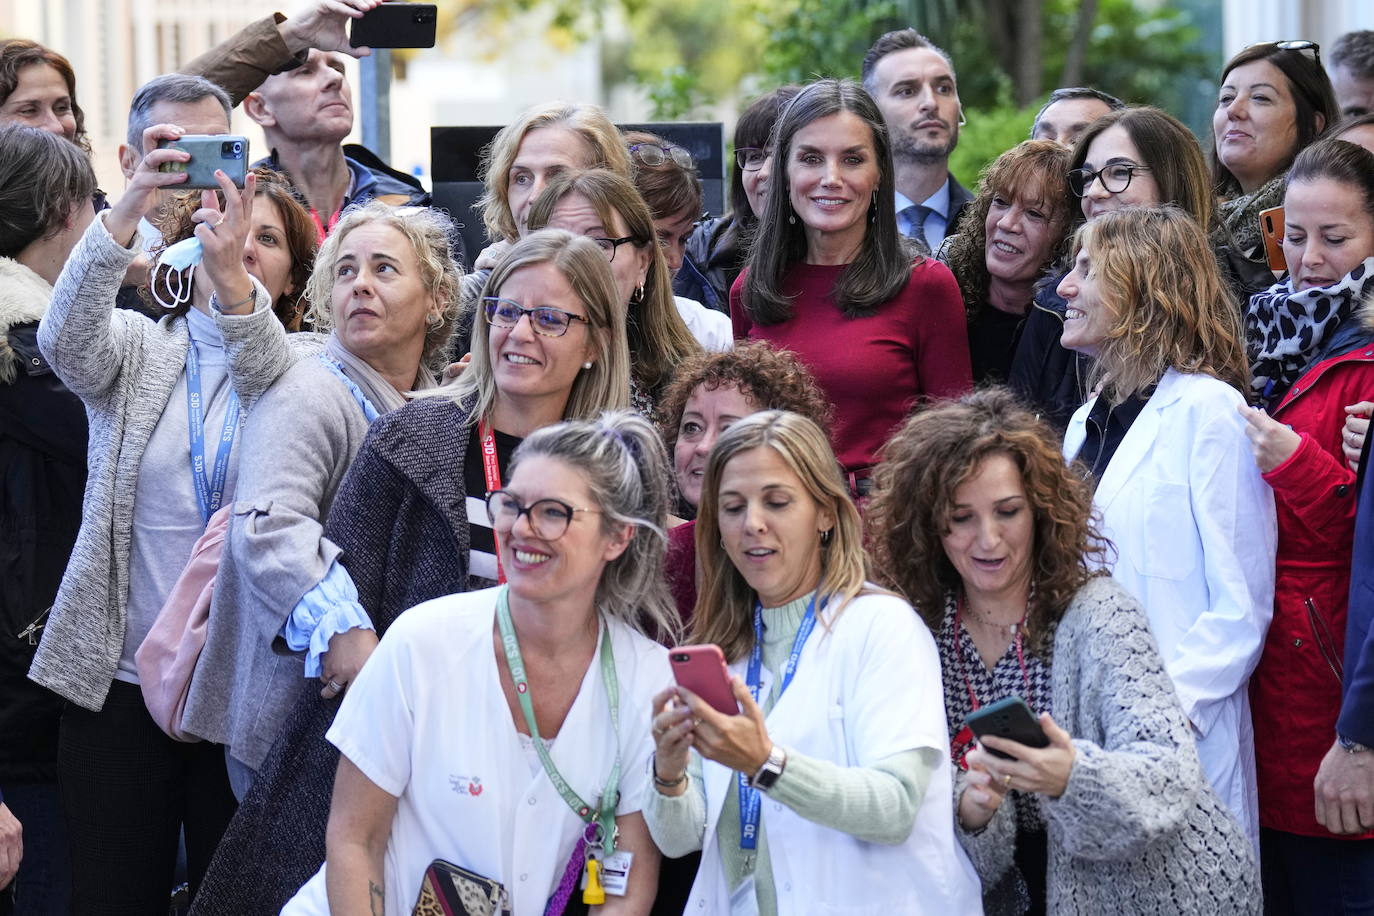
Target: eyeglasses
(751,158)
(610,245)
(1300,45)
(1115,178)
(549,518)
(653,154)
(544,319)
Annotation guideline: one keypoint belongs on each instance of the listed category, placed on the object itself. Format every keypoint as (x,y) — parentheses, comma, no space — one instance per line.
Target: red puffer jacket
(1295,692)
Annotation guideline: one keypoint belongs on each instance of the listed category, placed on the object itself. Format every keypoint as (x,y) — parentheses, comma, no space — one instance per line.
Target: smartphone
(395,25)
(702,670)
(207,154)
(1271,227)
(1009,718)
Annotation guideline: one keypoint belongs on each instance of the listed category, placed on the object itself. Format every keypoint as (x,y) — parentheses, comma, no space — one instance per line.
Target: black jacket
(42,481)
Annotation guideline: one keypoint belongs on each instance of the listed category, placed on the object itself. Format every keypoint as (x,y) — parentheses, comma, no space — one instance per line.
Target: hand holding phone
(702,670)
(1011,719)
(1046,752)
(208,153)
(396,25)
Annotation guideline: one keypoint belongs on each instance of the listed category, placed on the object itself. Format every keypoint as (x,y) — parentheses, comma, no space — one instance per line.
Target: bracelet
(666,783)
(217,306)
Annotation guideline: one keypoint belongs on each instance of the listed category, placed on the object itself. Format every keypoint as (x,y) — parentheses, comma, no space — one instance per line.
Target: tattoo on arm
(376,898)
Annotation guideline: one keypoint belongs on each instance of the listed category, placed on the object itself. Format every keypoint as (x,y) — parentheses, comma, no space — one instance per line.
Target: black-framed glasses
(751,158)
(544,319)
(652,154)
(1115,178)
(610,245)
(549,518)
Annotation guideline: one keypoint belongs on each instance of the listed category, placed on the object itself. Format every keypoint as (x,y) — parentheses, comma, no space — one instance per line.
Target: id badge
(615,872)
(743,900)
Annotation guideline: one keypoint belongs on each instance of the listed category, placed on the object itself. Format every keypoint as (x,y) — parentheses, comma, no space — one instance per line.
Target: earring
(873,209)
(637,296)
(826,536)
(792,219)
(587,364)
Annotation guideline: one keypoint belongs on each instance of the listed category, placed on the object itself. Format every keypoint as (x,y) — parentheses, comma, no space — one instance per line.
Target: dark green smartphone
(209,153)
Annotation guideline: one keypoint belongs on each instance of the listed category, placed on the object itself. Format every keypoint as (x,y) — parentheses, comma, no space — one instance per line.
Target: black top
(1106,427)
(992,339)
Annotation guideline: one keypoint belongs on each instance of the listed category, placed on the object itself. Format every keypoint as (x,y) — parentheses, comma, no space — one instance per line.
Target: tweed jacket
(1138,830)
(124,368)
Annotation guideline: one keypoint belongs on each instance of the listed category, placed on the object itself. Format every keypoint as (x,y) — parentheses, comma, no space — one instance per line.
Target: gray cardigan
(124,368)
(1138,830)
(298,443)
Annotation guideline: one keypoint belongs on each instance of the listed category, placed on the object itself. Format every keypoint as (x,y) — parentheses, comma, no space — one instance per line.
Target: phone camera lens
(680,657)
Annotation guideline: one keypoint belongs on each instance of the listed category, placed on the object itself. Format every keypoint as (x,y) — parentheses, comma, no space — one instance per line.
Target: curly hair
(934,453)
(773,379)
(431,237)
(1167,304)
(1032,172)
(301,241)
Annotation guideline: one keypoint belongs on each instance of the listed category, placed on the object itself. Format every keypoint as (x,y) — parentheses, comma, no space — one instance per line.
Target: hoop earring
(826,536)
(637,296)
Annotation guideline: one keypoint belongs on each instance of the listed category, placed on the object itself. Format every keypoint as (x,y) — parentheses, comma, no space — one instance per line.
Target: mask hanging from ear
(179,261)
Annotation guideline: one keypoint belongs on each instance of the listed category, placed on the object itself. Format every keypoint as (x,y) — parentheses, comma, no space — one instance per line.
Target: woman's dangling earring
(873,209)
(792,218)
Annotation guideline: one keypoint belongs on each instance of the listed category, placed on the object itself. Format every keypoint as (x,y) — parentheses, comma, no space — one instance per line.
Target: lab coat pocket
(1166,535)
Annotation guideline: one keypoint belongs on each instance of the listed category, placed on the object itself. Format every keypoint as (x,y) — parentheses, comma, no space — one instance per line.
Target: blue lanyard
(209,492)
(750,802)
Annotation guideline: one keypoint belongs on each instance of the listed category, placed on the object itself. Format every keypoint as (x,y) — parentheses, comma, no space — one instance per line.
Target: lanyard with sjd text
(749,801)
(209,492)
(491,468)
(605,817)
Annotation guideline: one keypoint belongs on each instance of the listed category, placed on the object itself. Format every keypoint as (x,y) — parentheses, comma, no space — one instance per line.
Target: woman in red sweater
(831,279)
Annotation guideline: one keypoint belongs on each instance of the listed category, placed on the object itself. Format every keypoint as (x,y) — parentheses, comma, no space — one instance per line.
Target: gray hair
(176,88)
(626,468)
(1354,50)
(1075,92)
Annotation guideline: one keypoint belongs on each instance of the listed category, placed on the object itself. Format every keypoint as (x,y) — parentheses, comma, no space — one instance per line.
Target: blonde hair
(1167,305)
(725,601)
(428,233)
(659,338)
(604,386)
(603,141)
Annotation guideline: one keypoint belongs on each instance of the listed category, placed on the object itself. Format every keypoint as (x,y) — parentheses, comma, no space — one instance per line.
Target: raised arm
(80,335)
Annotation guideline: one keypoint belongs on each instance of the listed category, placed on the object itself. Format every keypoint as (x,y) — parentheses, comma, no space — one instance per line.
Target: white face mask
(179,260)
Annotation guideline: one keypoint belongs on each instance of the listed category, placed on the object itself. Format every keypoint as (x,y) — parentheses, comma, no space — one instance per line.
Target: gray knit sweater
(1138,830)
(124,368)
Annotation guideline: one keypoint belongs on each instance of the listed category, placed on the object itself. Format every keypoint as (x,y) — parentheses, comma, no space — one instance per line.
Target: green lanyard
(605,819)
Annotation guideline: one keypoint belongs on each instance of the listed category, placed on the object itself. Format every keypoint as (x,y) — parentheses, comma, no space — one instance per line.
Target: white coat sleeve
(1233,509)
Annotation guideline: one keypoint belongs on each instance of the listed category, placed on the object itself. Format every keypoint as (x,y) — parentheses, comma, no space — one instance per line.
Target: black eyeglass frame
(491,303)
(745,167)
(569,511)
(1088,176)
(614,244)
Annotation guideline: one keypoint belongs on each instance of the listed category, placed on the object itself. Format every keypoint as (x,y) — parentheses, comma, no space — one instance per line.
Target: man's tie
(916,222)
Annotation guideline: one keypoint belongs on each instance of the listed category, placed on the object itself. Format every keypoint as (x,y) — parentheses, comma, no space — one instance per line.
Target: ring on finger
(336,686)
(1006,780)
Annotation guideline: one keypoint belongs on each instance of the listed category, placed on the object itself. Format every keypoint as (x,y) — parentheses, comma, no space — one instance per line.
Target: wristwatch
(770,771)
(1350,747)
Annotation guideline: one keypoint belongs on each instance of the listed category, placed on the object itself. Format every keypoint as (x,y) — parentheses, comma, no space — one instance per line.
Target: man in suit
(913,83)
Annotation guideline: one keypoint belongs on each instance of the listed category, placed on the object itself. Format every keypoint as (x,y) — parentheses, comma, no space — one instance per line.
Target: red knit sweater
(873,369)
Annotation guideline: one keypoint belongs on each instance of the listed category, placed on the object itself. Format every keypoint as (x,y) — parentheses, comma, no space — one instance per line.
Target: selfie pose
(834,767)
(977,518)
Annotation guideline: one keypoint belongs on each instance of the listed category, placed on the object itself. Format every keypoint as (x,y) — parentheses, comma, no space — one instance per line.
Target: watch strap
(772,768)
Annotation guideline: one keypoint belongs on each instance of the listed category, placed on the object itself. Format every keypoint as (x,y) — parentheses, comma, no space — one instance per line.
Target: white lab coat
(1195,534)
(867,689)
(427,721)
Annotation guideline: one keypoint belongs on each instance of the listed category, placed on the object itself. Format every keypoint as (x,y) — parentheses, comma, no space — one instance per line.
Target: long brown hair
(659,338)
(725,602)
(1160,284)
(937,450)
(882,267)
